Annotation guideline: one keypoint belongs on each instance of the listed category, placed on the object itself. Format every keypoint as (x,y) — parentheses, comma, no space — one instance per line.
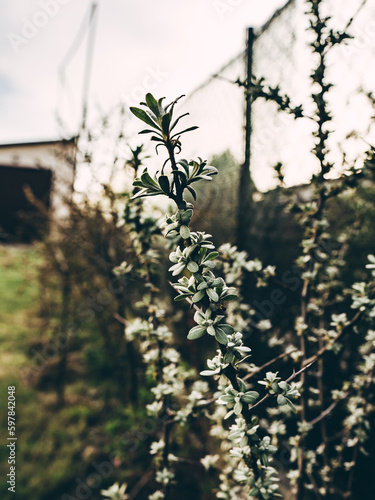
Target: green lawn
(46,441)
(18,305)
(51,442)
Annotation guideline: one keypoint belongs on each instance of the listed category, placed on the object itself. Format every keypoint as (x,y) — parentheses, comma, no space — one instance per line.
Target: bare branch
(261,368)
(324,414)
(321,351)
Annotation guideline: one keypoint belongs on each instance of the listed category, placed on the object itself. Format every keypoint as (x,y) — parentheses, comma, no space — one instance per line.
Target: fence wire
(281,54)
(218,107)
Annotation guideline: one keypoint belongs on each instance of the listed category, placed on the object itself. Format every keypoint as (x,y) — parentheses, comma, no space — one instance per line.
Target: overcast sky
(170,46)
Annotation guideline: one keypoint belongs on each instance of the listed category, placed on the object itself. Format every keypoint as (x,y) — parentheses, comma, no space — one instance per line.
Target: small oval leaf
(281,400)
(212,294)
(193,267)
(164,183)
(196,332)
(198,296)
(185,233)
(211,330)
(221,337)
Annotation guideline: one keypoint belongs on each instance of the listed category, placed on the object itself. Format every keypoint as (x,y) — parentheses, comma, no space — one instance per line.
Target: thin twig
(120,319)
(280,356)
(140,485)
(293,376)
(355,15)
(188,300)
(324,413)
(321,351)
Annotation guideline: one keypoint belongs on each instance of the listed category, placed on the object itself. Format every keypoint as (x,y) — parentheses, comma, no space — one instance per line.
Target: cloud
(185,40)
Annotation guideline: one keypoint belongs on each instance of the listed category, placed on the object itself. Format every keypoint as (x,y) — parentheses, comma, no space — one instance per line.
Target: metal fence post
(245,183)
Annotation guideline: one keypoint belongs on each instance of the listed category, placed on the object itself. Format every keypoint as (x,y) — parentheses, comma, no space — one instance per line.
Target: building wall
(54,156)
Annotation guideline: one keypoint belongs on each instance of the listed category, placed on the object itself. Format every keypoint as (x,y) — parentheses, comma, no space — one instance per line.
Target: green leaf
(185,234)
(152,104)
(186,130)
(229,414)
(184,164)
(190,250)
(193,267)
(164,183)
(202,286)
(175,123)
(199,318)
(142,192)
(210,329)
(229,357)
(212,294)
(242,385)
(211,256)
(182,176)
(148,180)
(148,131)
(177,268)
(198,296)
(202,253)
(180,297)
(264,459)
(198,277)
(227,398)
(249,397)
(208,373)
(281,400)
(156,138)
(220,336)
(166,120)
(291,405)
(196,332)
(283,385)
(229,297)
(142,115)
(192,192)
(171,227)
(226,328)
(210,264)
(237,408)
(186,216)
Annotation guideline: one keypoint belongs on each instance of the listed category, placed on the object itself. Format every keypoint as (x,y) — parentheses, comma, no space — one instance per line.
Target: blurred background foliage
(82,402)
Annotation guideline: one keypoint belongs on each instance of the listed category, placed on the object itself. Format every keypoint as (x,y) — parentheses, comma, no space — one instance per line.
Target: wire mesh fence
(281,54)
(218,107)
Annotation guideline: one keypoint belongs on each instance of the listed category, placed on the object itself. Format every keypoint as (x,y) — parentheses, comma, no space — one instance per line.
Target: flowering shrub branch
(322,459)
(209,294)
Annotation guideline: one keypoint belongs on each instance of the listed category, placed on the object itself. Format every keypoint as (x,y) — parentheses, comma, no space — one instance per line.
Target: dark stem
(178,198)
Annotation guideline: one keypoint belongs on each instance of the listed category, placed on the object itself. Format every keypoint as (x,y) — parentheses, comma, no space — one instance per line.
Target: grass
(46,442)
(18,305)
(53,444)
(18,324)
